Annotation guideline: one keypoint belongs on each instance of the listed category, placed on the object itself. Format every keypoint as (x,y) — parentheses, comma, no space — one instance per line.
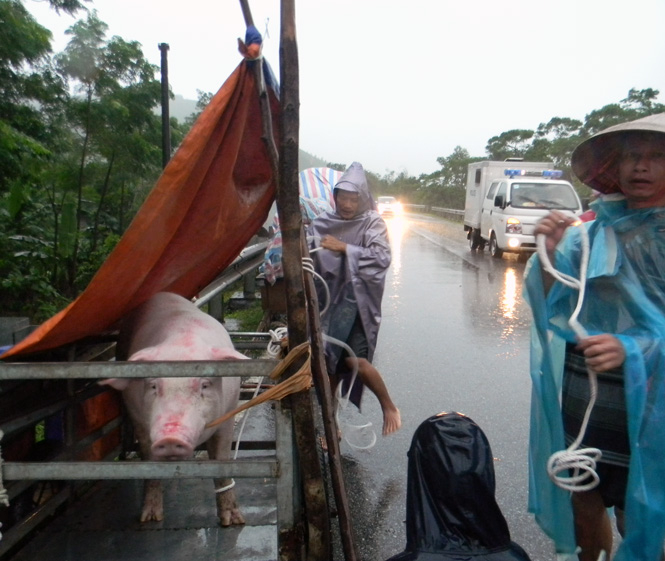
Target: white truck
(504,200)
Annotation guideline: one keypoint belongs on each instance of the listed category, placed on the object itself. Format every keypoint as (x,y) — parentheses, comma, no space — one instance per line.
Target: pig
(170,415)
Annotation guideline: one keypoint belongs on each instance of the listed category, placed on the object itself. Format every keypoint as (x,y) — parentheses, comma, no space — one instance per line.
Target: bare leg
(593,528)
(371,377)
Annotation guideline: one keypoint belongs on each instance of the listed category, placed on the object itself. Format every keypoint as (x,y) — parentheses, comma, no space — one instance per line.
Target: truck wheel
(495,250)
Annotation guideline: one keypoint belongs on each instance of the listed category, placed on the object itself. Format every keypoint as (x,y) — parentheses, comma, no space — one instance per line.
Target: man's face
(642,171)
(347,203)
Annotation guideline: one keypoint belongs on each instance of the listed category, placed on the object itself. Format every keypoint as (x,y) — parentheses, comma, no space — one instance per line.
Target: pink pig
(170,414)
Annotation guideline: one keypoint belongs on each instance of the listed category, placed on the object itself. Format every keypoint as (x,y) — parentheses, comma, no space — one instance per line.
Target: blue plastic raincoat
(625,296)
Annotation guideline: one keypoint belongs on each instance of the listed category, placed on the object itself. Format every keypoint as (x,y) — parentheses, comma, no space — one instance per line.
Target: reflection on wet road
(454,337)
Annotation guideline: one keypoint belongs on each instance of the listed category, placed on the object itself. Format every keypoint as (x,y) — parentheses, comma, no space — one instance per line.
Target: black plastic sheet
(451,510)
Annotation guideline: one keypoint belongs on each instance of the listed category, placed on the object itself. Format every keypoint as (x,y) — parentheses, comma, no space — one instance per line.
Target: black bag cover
(451,511)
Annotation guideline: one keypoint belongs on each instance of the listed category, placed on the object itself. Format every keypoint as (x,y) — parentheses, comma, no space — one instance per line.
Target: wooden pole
(322,382)
(288,207)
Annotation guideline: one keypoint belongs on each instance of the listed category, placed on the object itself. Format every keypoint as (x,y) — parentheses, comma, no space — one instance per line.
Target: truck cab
(514,205)
(503,211)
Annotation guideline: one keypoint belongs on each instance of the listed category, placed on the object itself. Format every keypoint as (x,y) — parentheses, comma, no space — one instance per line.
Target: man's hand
(602,352)
(333,244)
(553,226)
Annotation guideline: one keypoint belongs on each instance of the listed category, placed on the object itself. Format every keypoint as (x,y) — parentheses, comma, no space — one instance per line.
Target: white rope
(226,487)
(275,344)
(581,460)
(273,349)
(357,431)
(308,267)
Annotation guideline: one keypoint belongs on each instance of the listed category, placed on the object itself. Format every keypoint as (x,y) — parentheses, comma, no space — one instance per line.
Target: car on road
(389,206)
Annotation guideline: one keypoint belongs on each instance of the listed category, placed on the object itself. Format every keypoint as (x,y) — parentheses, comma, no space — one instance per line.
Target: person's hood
(450,492)
(355,181)
(595,161)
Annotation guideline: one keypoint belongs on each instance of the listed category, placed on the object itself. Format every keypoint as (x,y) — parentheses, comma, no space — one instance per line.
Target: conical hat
(595,160)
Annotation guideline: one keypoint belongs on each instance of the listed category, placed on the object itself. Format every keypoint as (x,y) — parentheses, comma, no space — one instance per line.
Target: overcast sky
(396,84)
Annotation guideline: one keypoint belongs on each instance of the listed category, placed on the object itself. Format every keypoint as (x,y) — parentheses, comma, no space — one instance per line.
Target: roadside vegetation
(80,148)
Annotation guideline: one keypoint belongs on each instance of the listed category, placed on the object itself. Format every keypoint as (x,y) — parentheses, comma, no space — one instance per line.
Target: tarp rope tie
(581,460)
(276,343)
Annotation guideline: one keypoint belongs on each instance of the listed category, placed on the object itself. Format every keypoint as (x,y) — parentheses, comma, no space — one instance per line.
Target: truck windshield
(543,195)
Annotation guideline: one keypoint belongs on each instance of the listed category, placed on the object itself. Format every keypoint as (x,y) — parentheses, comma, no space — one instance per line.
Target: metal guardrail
(248,260)
(451,212)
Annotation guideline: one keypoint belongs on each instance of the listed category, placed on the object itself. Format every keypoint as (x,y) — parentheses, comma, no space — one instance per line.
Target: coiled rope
(582,461)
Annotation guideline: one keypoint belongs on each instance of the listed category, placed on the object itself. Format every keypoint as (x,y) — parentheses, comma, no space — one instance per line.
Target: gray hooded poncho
(356,279)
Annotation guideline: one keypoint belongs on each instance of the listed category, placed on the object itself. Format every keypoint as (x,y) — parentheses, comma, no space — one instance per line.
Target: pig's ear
(225,354)
(117,383)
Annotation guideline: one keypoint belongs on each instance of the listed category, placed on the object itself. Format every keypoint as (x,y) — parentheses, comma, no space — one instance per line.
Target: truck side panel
(480,175)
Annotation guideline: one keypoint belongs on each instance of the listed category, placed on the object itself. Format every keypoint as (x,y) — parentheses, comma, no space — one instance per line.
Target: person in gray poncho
(353,262)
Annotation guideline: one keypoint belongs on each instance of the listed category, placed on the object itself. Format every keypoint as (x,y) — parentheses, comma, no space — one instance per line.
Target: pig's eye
(152,384)
(205,384)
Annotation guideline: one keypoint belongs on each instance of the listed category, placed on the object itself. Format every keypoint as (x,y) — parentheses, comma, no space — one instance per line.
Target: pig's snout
(171,448)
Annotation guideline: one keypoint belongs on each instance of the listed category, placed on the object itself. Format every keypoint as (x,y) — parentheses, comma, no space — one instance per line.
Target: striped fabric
(316,196)
(318,183)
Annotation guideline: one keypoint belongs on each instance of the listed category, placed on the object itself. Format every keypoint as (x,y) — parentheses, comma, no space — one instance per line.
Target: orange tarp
(212,197)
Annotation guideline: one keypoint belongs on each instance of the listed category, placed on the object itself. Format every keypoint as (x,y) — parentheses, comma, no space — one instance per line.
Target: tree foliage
(80,146)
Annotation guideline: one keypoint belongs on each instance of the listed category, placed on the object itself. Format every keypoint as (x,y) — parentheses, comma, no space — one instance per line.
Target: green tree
(555,141)
(119,138)
(453,168)
(85,161)
(513,143)
(31,111)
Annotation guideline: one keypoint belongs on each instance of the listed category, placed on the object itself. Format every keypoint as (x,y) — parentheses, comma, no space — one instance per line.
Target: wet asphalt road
(454,337)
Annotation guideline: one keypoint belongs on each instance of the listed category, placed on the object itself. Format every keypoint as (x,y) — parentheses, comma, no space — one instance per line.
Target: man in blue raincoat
(353,262)
(624,315)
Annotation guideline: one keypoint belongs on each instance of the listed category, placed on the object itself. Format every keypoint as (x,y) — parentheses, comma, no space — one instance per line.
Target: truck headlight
(513,226)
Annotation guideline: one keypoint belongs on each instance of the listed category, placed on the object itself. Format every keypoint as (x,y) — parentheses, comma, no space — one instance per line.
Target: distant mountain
(181,108)
(307,160)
